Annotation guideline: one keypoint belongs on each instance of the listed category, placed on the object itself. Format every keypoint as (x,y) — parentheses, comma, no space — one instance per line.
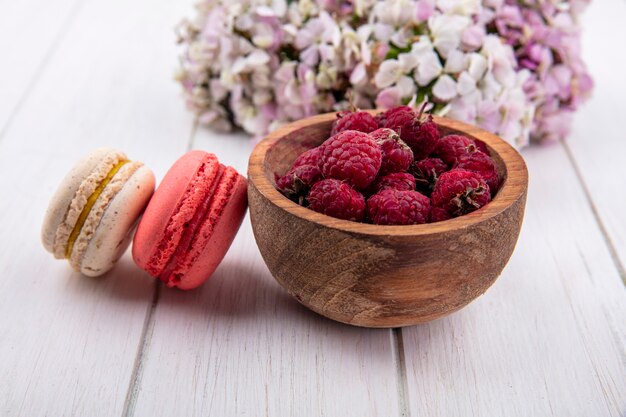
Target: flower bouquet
(512,67)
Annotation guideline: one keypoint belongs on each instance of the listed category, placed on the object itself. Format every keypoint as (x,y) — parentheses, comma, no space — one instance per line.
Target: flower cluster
(510,66)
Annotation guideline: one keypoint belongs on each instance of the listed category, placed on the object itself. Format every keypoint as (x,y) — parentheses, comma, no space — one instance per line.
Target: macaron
(91,216)
(190,221)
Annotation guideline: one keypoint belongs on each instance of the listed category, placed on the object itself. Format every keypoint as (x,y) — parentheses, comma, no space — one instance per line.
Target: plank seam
(58,39)
(144,344)
(402,381)
(148,328)
(605,235)
(608,402)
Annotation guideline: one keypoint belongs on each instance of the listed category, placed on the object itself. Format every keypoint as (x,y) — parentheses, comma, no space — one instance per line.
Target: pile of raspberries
(392,169)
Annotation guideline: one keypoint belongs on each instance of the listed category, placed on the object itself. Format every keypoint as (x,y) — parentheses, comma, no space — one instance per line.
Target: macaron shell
(98,210)
(109,159)
(223,231)
(195,180)
(111,237)
(62,198)
(152,239)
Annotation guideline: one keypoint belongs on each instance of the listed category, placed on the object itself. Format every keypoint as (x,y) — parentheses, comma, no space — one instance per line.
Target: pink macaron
(190,221)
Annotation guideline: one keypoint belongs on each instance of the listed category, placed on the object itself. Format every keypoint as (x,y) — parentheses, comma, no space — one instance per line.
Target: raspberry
(427,171)
(401,181)
(426,138)
(437,214)
(337,199)
(482,164)
(451,147)
(310,157)
(397,156)
(348,120)
(351,156)
(385,117)
(480,145)
(459,191)
(422,137)
(297,181)
(393,207)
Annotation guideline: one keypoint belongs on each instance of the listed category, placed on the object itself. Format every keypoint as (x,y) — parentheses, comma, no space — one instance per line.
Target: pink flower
(512,67)
(389,97)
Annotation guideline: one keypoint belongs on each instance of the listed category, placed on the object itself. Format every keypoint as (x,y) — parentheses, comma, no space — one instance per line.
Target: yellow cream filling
(90,202)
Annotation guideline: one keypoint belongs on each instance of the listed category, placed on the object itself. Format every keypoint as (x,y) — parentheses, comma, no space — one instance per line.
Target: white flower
(249,62)
(446,31)
(263,35)
(462,7)
(408,62)
(361,7)
(456,62)
(500,59)
(261,63)
(401,37)
(388,73)
(219,90)
(445,88)
(466,84)
(406,86)
(422,46)
(318,38)
(489,86)
(358,77)
(473,37)
(428,69)
(477,66)
(326,76)
(395,12)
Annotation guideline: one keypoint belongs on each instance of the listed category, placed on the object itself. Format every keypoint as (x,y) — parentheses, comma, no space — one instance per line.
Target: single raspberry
(459,192)
(397,117)
(482,164)
(297,181)
(310,157)
(397,156)
(481,146)
(393,207)
(401,181)
(348,120)
(427,171)
(422,137)
(437,214)
(451,147)
(425,139)
(337,199)
(351,156)
(384,118)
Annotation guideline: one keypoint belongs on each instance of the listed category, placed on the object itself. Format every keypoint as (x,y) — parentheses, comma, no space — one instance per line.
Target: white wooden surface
(547,339)
(605,32)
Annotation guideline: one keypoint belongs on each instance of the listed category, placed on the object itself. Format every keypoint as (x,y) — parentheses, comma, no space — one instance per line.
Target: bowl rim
(512,189)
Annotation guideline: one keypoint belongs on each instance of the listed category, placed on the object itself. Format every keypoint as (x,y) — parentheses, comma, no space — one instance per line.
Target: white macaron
(94,211)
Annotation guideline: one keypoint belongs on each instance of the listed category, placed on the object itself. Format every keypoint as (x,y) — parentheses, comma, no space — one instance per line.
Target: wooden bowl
(381,276)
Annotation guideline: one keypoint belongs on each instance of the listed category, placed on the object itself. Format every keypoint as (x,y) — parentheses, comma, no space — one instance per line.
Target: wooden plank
(240,345)
(548,338)
(68,343)
(29,31)
(597,142)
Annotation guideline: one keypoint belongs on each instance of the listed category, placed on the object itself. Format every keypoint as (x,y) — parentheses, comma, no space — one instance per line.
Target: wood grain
(548,338)
(29,32)
(381,276)
(68,343)
(239,345)
(597,141)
